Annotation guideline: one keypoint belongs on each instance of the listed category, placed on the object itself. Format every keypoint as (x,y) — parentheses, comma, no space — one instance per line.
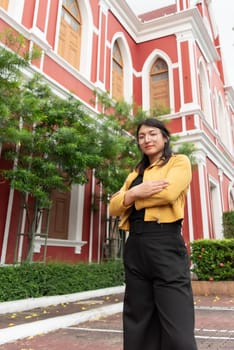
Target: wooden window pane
(72,7)
(159,66)
(70,33)
(117,54)
(59,216)
(203,103)
(4,4)
(117,73)
(159,85)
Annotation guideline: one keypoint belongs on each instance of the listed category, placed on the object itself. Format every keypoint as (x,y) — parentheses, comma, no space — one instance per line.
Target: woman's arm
(179,177)
(117,205)
(144,190)
(125,197)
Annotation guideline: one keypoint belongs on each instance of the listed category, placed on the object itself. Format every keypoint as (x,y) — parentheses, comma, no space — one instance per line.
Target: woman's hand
(144,190)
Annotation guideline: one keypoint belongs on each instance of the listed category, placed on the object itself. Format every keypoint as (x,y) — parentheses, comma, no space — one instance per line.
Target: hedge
(213,260)
(37,279)
(228,224)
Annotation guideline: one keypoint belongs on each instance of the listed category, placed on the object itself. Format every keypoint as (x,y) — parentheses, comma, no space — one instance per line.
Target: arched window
(159,85)
(220,118)
(4,4)
(205,94)
(117,73)
(70,33)
(224,125)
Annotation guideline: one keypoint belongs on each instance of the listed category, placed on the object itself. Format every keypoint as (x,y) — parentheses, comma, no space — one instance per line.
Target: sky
(225,20)
(224,13)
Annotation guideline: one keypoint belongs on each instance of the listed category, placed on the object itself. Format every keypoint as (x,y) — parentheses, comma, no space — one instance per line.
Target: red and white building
(170,57)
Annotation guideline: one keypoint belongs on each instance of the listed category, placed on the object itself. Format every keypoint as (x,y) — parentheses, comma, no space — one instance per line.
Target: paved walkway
(93,320)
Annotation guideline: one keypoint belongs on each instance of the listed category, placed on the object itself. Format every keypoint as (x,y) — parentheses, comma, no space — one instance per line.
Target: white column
(201,157)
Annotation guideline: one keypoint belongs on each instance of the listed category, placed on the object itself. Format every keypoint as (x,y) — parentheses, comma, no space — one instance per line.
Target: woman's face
(151,142)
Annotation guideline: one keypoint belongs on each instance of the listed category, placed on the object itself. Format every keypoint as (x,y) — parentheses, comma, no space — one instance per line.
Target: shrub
(213,260)
(228,224)
(37,280)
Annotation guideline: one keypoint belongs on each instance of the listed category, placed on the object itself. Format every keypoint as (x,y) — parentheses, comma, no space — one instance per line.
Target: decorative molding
(39,242)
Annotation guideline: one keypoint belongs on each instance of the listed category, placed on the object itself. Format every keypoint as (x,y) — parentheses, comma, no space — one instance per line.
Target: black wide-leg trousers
(158,304)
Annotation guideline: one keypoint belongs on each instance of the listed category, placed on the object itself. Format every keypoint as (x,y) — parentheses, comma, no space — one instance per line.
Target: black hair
(167,152)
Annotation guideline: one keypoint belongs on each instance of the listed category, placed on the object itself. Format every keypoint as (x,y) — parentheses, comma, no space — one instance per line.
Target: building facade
(169,57)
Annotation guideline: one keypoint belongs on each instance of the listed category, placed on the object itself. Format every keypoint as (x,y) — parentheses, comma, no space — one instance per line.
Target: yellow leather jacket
(166,206)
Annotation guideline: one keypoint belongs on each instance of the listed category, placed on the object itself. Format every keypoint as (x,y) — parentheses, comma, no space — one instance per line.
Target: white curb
(32,303)
(54,323)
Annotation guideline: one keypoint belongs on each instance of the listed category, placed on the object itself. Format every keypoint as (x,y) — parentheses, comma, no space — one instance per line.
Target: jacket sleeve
(179,176)
(117,207)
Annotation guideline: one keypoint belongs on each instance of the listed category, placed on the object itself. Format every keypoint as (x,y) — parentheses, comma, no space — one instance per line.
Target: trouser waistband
(139,226)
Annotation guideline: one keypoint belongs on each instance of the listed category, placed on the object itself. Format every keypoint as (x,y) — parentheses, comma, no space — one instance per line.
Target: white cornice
(183,21)
(126,16)
(204,144)
(33,35)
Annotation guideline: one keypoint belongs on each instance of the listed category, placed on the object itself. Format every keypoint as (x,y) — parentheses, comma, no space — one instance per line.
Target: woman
(158,304)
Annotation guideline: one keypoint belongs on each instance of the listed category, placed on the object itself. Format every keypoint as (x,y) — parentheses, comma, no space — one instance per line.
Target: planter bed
(213,288)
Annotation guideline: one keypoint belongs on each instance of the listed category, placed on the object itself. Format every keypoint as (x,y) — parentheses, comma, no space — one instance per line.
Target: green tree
(49,142)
